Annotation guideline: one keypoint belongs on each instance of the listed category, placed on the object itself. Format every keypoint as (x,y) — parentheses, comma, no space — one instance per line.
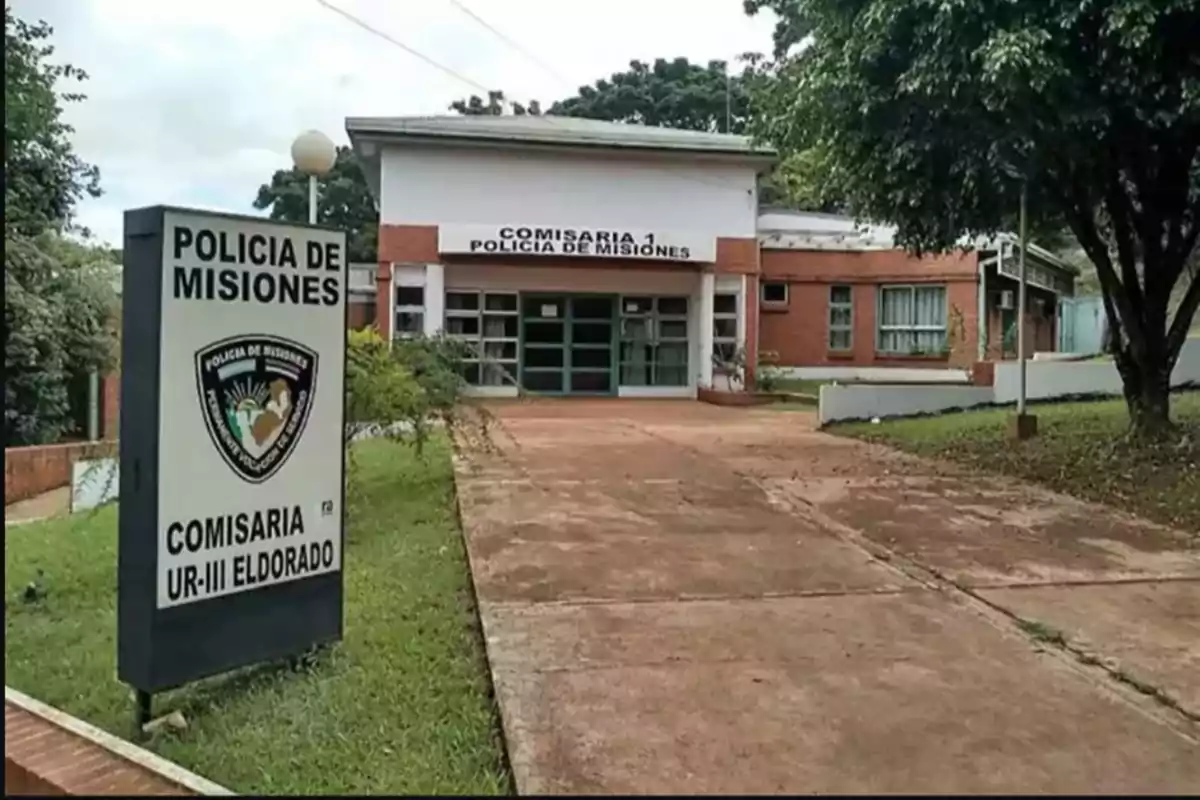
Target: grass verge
(1080,450)
(802,386)
(401,706)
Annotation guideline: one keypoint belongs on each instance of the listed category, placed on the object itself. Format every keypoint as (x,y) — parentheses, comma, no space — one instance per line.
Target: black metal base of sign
(142,715)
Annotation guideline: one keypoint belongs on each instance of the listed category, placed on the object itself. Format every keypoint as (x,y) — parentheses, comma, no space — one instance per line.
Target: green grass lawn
(800,386)
(401,706)
(1080,450)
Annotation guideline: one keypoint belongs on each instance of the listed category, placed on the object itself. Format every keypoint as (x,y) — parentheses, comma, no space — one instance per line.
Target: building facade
(583,257)
(839,294)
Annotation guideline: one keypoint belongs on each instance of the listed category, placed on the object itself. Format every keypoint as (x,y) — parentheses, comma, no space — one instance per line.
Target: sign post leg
(143,710)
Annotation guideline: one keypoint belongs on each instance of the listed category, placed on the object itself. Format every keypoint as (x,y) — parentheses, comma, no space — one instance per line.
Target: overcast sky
(196,103)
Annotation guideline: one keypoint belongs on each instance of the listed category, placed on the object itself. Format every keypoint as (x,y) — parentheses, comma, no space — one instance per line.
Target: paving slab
(624,540)
(53,503)
(672,603)
(1150,630)
(984,531)
(853,694)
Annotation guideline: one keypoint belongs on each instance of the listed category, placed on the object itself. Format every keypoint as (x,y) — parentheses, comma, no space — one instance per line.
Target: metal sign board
(231,449)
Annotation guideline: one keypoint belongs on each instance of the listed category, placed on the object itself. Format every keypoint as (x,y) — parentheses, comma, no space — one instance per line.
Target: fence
(30,471)
(1045,380)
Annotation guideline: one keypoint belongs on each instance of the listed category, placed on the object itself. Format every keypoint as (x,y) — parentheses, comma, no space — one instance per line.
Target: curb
(158,765)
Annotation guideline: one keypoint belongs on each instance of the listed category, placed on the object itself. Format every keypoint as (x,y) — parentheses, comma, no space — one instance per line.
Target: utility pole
(728,102)
(1022,299)
(1024,424)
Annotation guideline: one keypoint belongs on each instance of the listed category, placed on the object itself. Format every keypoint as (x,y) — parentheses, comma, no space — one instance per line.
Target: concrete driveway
(680,598)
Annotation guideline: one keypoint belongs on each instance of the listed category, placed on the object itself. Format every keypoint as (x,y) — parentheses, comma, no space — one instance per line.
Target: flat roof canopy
(551,132)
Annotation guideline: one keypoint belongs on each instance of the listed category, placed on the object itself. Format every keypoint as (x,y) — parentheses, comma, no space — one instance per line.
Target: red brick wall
(755,335)
(799,331)
(110,405)
(737,256)
(29,471)
(407,243)
(360,313)
(43,758)
(1040,334)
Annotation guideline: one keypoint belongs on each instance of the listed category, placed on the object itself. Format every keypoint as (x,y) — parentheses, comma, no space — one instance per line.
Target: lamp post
(1022,299)
(1024,425)
(314,154)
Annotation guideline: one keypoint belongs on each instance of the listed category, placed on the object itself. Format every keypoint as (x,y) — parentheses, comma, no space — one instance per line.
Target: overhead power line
(411,51)
(459,76)
(508,40)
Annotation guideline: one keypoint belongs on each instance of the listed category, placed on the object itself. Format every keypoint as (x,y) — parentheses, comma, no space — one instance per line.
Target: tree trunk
(1147,390)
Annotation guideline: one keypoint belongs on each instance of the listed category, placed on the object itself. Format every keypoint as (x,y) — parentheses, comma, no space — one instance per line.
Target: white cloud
(197,103)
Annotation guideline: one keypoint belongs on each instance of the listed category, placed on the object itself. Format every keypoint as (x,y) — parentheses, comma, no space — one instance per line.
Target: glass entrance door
(543,343)
(654,341)
(590,335)
(567,344)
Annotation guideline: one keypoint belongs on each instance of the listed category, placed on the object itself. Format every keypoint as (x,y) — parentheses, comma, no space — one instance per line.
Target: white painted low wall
(876,374)
(1051,356)
(94,482)
(1046,380)
(864,402)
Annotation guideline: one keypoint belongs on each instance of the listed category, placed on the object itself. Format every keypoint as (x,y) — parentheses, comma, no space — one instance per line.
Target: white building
(578,256)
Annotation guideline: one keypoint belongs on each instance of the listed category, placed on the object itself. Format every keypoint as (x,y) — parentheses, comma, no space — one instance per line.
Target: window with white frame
(912,320)
(488,323)
(725,327)
(841,318)
(775,293)
(410,311)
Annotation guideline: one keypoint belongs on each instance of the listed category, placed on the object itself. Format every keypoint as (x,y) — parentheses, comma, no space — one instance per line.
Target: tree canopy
(934,115)
(43,177)
(673,93)
(60,303)
(344,201)
(495,105)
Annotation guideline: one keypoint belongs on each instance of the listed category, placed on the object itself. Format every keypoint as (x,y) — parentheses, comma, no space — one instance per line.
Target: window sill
(879,356)
(774,308)
(840,355)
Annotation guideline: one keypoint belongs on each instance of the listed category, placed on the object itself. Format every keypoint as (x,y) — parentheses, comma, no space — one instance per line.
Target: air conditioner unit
(1007,300)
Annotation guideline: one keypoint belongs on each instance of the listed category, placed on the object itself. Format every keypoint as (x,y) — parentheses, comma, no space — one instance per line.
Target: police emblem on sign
(255,395)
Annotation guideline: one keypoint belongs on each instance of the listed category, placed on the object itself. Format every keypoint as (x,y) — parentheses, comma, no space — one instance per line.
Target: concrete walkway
(679,598)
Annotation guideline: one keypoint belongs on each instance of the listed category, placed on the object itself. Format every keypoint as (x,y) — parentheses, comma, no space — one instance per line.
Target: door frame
(568,320)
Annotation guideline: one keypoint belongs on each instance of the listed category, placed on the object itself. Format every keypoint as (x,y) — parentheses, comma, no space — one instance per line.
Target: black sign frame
(160,649)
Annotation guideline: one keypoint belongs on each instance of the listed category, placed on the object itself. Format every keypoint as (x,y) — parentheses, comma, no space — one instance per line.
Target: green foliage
(43,178)
(344,202)
(732,368)
(404,391)
(933,116)
(399,707)
(60,315)
(1079,450)
(798,181)
(676,93)
(671,93)
(496,105)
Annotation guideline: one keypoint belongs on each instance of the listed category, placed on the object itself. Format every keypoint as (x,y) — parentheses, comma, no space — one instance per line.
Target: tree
(60,296)
(344,201)
(43,177)
(668,93)
(678,94)
(796,182)
(935,115)
(496,105)
(60,321)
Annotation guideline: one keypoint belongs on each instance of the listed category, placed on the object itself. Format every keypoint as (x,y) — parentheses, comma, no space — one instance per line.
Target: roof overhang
(369,136)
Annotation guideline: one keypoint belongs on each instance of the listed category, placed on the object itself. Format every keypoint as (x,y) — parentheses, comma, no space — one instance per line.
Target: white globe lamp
(313,153)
